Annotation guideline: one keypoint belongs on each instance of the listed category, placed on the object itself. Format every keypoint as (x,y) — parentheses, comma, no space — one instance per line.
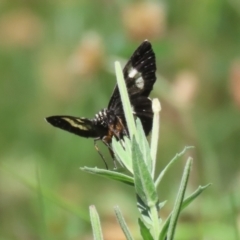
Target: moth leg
(124,132)
(106,140)
(97,149)
(113,157)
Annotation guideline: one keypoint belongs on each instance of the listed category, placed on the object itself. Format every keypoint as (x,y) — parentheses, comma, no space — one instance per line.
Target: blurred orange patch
(89,55)
(235,82)
(144,20)
(112,230)
(56,79)
(20,28)
(184,89)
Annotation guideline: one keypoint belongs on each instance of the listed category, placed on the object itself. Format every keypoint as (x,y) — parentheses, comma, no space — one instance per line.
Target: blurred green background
(57,57)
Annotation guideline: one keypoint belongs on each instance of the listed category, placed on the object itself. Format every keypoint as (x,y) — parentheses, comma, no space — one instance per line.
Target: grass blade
(179,200)
(95,221)
(185,203)
(122,223)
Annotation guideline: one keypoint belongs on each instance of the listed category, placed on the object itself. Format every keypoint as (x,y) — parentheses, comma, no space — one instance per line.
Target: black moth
(139,75)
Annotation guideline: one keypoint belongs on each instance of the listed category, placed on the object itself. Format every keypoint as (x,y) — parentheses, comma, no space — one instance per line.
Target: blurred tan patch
(71,192)
(184,89)
(144,20)
(88,57)
(112,230)
(56,78)
(235,82)
(20,28)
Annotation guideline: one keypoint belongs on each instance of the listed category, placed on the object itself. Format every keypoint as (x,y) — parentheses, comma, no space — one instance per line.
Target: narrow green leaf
(125,100)
(145,189)
(144,145)
(144,184)
(194,195)
(185,203)
(122,223)
(177,156)
(128,146)
(96,225)
(162,204)
(123,155)
(110,174)
(179,200)
(145,232)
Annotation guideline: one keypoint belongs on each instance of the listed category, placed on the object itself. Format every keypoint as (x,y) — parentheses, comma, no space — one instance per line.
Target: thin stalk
(156,106)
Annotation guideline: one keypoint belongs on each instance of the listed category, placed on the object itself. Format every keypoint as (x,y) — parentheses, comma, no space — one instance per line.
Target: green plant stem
(155,222)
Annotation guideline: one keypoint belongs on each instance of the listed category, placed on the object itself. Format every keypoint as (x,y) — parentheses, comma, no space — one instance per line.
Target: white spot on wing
(132,73)
(139,83)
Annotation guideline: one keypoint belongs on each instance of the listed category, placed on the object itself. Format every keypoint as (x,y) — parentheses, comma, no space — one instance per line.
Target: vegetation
(57,58)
